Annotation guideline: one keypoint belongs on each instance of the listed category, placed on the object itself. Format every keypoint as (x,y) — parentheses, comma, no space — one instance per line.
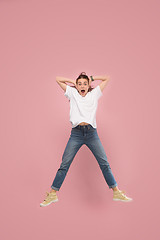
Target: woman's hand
(90,81)
(74,83)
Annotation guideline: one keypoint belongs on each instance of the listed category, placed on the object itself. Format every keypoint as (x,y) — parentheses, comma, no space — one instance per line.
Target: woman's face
(82,85)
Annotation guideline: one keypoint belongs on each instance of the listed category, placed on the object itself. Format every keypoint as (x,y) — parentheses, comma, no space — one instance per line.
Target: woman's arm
(103,78)
(104,82)
(63,80)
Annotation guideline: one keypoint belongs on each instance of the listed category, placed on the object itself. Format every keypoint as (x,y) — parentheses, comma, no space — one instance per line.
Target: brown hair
(83,75)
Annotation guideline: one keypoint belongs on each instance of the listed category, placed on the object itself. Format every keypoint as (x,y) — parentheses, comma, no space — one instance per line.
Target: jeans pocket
(75,130)
(92,128)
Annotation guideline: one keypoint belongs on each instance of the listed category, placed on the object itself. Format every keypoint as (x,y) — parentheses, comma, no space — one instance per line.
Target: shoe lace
(122,192)
(47,194)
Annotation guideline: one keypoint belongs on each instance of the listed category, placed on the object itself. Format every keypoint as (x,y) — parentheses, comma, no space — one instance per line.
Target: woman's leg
(72,147)
(95,145)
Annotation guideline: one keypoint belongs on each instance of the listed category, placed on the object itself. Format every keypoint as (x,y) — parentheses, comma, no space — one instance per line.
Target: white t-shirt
(83,109)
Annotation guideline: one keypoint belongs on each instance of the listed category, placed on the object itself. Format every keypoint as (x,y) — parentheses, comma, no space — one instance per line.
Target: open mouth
(82,91)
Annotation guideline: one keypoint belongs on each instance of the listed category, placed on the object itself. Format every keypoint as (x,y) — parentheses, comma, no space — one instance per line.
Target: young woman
(83,106)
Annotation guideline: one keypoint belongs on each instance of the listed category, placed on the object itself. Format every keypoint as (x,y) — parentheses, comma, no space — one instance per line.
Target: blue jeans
(83,135)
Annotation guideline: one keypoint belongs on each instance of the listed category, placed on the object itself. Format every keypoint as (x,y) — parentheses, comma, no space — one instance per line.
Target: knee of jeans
(65,165)
(105,163)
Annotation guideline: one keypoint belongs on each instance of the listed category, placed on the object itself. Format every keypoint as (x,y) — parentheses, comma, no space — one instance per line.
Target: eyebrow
(84,82)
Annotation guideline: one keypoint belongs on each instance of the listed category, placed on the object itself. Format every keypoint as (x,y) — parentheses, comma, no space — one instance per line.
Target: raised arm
(104,82)
(62,82)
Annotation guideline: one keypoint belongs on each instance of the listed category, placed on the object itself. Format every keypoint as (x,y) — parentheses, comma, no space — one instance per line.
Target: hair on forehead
(85,80)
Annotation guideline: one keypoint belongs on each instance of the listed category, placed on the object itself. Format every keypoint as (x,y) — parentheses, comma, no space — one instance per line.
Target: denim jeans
(83,135)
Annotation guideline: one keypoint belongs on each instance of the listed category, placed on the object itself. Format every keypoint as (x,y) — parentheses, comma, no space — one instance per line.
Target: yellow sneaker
(51,197)
(120,196)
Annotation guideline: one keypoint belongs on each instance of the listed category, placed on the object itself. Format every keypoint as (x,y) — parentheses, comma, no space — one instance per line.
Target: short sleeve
(97,92)
(68,92)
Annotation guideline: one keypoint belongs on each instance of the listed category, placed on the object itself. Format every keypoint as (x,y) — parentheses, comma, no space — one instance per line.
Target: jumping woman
(83,106)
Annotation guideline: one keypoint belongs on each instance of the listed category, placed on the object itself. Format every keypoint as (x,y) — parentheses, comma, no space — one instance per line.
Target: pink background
(42,39)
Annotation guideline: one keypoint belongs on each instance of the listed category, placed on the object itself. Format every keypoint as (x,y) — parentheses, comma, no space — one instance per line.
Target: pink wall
(42,39)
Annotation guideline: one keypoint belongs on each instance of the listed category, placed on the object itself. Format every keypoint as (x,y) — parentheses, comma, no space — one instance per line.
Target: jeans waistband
(88,126)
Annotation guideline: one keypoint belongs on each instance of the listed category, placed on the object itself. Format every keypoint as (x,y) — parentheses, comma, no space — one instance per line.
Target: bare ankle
(52,190)
(115,189)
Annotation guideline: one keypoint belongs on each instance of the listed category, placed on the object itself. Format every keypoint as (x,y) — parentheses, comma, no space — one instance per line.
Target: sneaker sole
(123,200)
(42,205)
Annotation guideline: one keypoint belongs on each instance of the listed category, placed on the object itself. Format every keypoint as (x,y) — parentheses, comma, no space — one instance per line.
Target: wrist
(91,77)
